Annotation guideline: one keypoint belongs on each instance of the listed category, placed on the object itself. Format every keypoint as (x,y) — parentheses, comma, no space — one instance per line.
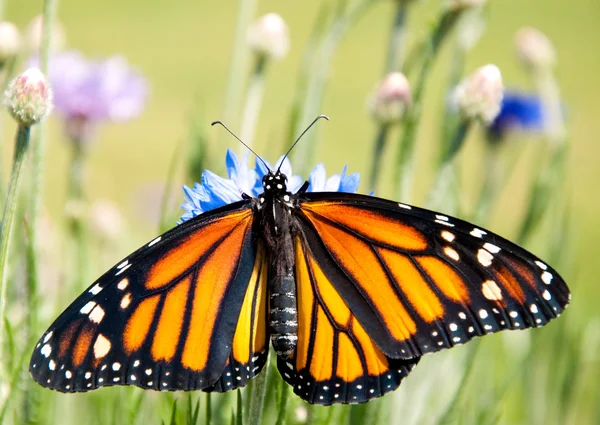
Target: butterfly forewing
(431,281)
(166,317)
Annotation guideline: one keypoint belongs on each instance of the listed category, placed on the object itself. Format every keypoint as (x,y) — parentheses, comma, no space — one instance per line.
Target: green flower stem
(405,160)
(77,204)
(441,195)
(393,63)
(283,402)
(21,147)
(493,175)
(239,55)
(378,147)
(551,178)
(254,97)
(396,38)
(257,395)
(315,91)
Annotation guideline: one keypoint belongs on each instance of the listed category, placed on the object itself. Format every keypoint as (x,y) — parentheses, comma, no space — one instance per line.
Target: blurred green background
(184,49)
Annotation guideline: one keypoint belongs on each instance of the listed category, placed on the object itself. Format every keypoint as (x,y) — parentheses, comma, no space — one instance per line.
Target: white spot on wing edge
(46,350)
(541,265)
(546,295)
(478,233)
(441,217)
(88,307)
(406,207)
(155,241)
(95,289)
(547,278)
(123,264)
(445,223)
(47,337)
(491,247)
(123,269)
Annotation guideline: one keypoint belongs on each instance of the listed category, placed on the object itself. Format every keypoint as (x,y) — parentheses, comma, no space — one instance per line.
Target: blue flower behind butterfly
(520,111)
(215,191)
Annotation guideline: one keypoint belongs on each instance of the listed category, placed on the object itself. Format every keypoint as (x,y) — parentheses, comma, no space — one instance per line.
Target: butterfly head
(274,183)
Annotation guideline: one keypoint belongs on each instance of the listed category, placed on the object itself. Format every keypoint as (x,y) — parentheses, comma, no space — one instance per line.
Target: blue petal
(317,178)
(519,112)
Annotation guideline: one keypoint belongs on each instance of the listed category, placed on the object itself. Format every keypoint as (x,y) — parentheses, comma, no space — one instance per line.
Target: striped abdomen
(284,314)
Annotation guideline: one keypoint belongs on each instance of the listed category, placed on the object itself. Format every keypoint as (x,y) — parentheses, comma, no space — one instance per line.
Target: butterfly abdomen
(284,314)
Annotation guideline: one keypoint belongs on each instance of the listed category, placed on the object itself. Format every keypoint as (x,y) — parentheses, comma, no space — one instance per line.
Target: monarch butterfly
(350,289)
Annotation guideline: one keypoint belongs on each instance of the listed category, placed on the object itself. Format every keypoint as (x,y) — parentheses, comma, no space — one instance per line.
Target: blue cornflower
(215,191)
(519,111)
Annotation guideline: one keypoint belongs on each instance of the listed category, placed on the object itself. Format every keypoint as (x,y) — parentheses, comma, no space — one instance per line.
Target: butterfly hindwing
(167,317)
(419,281)
(335,360)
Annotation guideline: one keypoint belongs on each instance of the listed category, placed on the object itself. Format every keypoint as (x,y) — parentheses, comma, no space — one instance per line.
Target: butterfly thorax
(275,208)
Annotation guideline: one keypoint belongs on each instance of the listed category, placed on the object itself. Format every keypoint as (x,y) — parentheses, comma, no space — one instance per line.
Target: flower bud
(269,36)
(33,35)
(106,220)
(10,41)
(458,5)
(29,97)
(479,96)
(534,48)
(391,98)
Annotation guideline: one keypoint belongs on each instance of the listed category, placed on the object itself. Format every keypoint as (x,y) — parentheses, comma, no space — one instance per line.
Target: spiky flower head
(534,48)
(10,41)
(479,96)
(269,36)
(390,99)
(29,97)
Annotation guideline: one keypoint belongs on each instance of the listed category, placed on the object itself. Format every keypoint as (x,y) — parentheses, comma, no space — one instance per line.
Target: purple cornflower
(88,92)
(215,191)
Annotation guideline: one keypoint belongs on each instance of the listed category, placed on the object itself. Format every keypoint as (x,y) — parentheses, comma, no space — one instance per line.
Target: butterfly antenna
(300,137)
(240,140)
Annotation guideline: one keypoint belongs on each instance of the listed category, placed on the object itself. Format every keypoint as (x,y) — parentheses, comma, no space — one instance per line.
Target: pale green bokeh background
(184,48)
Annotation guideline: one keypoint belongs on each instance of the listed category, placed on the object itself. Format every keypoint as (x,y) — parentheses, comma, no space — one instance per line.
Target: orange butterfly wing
(335,360)
(418,281)
(186,311)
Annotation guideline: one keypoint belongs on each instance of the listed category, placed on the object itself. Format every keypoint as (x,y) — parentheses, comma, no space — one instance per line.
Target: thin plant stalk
(406,151)
(380,140)
(283,402)
(393,63)
(253,103)
(441,194)
(78,206)
(257,396)
(21,147)
(315,91)
(39,148)
(239,55)
(396,38)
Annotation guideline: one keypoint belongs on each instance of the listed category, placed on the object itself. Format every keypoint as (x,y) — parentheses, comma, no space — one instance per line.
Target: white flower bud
(269,36)
(10,41)
(106,220)
(457,5)
(534,48)
(33,35)
(29,97)
(479,96)
(390,99)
